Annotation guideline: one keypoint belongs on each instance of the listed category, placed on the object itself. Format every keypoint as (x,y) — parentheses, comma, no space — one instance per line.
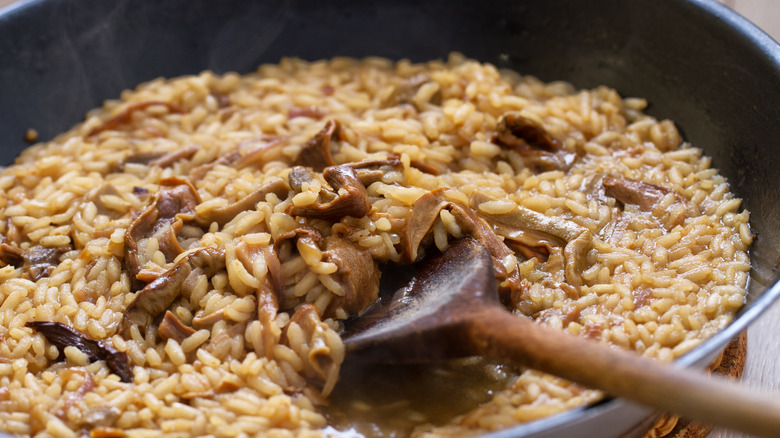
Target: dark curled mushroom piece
(353,202)
(422,217)
(155,297)
(254,152)
(269,293)
(40,261)
(161,159)
(630,191)
(320,359)
(536,234)
(297,177)
(126,116)
(222,99)
(405,92)
(174,204)
(107,189)
(311,112)
(370,171)
(10,254)
(316,152)
(358,274)
(540,151)
(172,327)
(62,335)
(225,214)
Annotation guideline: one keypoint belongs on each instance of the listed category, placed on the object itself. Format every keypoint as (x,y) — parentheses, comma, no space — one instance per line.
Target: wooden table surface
(762,366)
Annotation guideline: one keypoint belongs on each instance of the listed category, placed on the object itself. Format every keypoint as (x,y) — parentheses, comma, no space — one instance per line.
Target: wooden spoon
(450,309)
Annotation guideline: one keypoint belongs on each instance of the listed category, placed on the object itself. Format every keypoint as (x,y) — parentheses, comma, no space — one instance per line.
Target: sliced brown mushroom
(405,92)
(174,204)
(259,152)
(353,201)
(172,327)
(630,191)
(370,171)
(321,361)
(422,217)
(40,261)
(199,172)
(316,152)
(358,274)
(298,176)
(269,293)
(311,112)
(254,152)
(246,254)
(97,198)
(11,254)
(540,150)
(155,297)
(542,234)
(224,214)
(206,321)
(161,159)
(125,116)
(171,158)
(62,335)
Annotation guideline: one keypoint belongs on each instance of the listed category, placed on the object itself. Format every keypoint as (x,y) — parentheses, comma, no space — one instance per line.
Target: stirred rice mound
(181,263)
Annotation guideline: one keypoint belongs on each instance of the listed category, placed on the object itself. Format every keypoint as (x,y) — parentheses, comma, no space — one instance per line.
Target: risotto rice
(181,263)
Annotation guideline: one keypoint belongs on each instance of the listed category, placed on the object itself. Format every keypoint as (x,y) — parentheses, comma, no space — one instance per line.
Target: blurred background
(764,13)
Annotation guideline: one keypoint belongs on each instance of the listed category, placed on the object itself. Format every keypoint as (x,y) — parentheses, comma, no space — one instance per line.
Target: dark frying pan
(697,63)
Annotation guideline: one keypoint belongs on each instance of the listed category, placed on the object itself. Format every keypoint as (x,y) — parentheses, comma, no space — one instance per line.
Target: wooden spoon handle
(711,400)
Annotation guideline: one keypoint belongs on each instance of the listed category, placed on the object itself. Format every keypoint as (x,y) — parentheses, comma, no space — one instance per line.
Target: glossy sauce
(391,400)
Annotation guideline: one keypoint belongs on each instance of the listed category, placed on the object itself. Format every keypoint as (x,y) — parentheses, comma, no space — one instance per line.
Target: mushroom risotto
(183,261)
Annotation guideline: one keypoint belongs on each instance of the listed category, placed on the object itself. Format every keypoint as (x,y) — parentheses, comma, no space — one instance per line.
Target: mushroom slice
(174,204)
(155,297)
(40,261)
(351,197)
(422,217)
(311,112)
(161,159)
(11,254)
(370,171)
(126,116)
(253,152)
(320,348)
(406,91)
(534,230)
(268,292)
(62,335)
(358,275)
(540,150)
(316,152)
(174,328)
(640,193)
(169,159)
(99,197)
(298,176)
(225,214)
